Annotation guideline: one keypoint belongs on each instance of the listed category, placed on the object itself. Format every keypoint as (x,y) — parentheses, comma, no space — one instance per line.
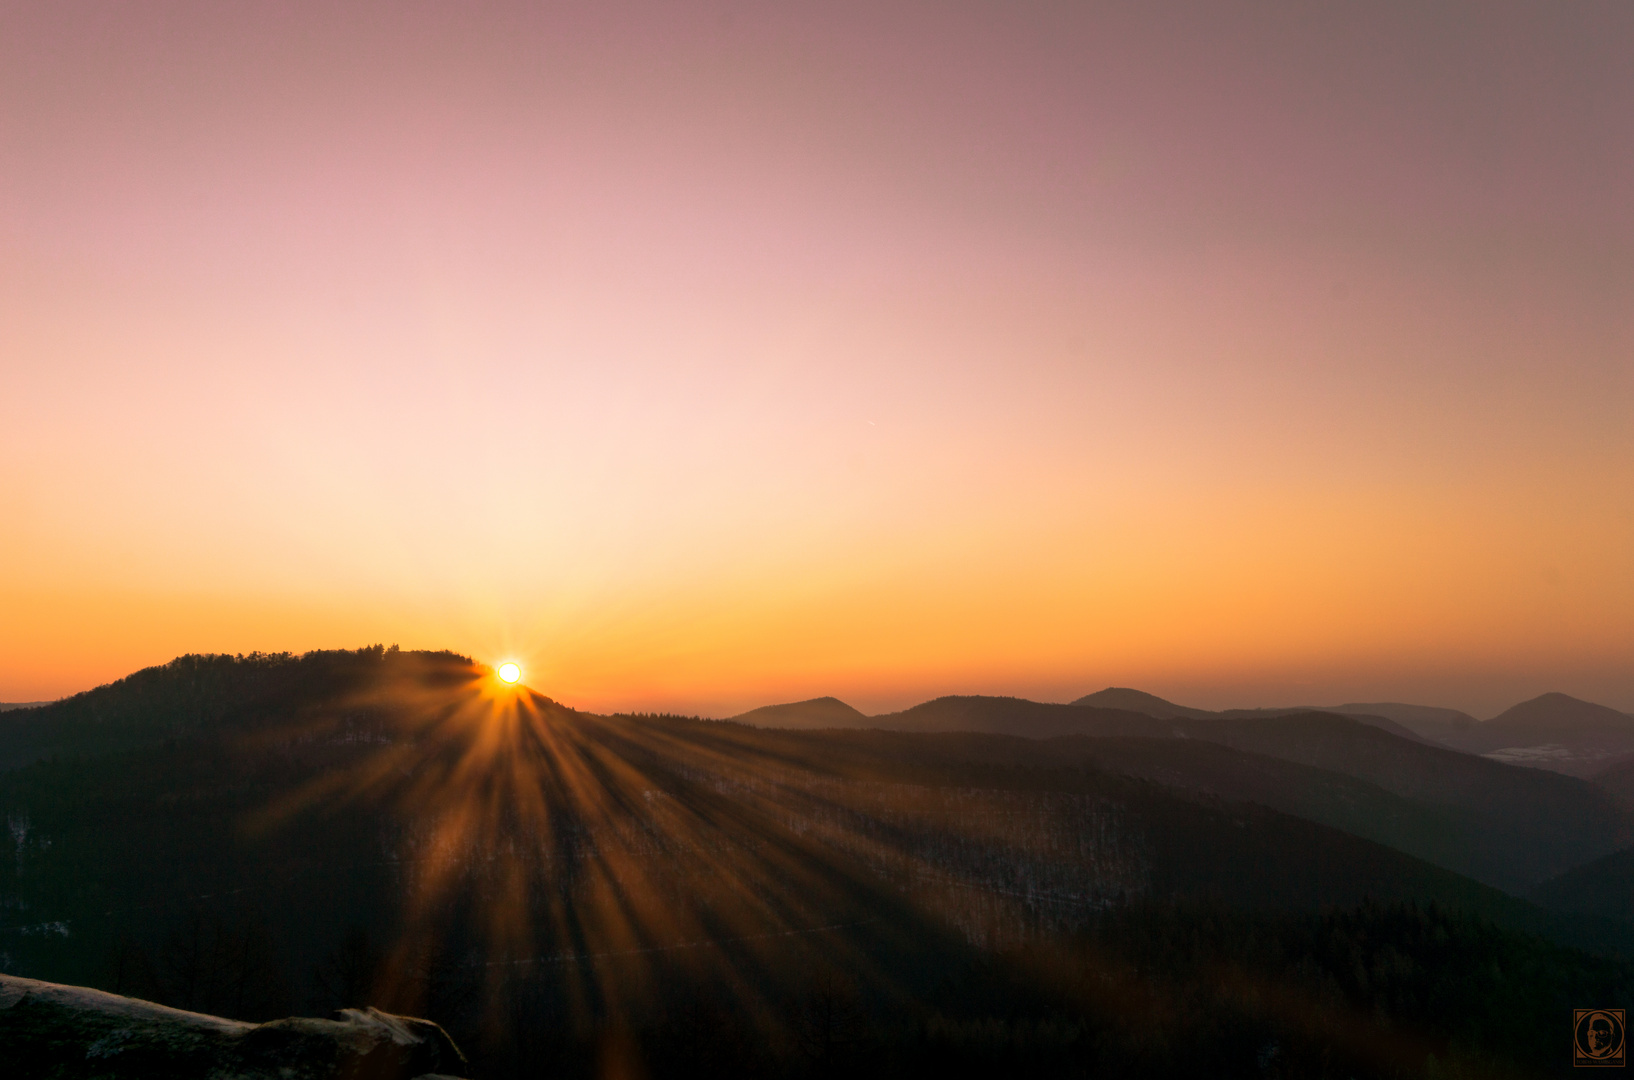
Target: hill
(1558,716)
(1515,826)
(1138,701)
(1151,705)
(1466,840)
(1432,723)
(1018,716)
(197,695)
(1555,731)
(823,712)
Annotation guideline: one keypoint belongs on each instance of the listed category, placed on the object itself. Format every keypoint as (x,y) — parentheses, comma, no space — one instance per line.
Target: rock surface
(52,1032)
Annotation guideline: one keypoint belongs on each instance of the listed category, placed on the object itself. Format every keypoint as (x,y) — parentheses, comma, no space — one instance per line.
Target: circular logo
(1599,1034)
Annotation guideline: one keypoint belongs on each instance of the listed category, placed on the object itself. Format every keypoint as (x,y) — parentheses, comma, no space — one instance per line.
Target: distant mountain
(1498,818)
(1509,826)
(1558,714)
(1553,731)
(1560,719)
(823,712)
(1401,731)
(1037,719)
(1477,838)
(1118,697)
(1018,716)
(1428,721)
(1562,820)
(7,706)
(1121,697)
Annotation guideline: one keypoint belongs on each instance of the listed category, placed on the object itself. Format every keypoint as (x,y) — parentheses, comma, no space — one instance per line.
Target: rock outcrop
(52,1032)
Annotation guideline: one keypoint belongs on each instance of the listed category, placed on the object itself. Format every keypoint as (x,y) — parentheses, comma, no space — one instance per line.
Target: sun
(509,673)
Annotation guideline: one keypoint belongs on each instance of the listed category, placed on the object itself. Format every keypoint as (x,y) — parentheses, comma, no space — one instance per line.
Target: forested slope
(267,835)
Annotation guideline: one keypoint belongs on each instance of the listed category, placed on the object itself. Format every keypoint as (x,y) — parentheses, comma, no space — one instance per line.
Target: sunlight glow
(509,673)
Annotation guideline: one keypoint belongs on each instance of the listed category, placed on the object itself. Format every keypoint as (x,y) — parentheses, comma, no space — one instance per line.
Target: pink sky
(700,356)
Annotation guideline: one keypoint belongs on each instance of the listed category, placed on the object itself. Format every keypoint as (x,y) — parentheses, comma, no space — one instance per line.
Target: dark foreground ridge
(76,1033)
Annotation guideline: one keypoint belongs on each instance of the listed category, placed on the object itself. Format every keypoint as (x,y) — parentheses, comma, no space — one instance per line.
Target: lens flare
(509,673)
(565,867)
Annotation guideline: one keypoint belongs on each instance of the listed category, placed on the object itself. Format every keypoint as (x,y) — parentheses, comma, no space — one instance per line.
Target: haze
(699,357)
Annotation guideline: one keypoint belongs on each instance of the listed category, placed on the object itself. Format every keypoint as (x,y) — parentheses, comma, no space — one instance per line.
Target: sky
(710,355)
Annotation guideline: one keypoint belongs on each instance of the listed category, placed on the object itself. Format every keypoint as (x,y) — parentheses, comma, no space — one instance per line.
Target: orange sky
(706,359)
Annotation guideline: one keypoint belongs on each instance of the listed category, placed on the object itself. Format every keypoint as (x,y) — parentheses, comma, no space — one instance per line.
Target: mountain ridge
(819,712)
(1516,826)
(1553,731)
(1119,697)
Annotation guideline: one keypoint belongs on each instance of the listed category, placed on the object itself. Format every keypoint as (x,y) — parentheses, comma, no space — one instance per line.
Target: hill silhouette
(1557,715)
(823,712)
(1554,731)
(1427,721)
(1510,826)
(1138,701)
(1478,838)
(1558,732)
(1115,697)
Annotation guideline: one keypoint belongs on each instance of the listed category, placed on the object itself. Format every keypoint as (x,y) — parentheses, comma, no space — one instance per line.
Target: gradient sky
(704,355)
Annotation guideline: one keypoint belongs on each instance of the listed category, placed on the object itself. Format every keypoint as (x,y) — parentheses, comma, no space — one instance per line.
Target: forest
(578,895)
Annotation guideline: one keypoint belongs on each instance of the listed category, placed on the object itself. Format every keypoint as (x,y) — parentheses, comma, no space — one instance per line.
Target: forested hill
(1508,825)
(196,694)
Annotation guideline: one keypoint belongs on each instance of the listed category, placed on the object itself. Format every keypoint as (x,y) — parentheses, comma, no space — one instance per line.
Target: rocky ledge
(52,1032)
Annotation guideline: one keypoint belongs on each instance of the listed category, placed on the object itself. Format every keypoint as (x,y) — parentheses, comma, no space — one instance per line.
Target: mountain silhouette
(1552,731)
(1558,717)
(823,712)
(1115,697)
(1427,721)
(1502,824)
(1017,716)
(1557,714)
(1138,701)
